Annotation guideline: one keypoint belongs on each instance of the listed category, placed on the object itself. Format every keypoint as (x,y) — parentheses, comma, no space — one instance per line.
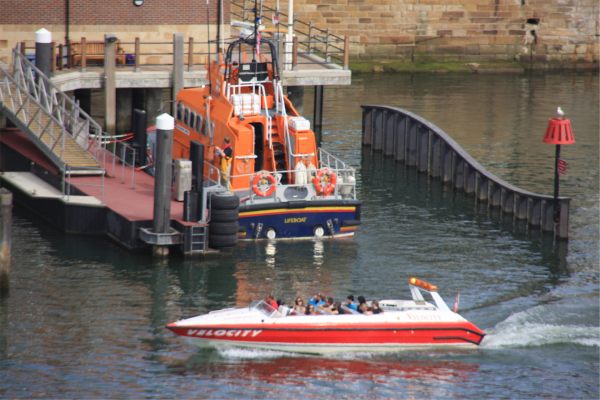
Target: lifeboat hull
(297,221)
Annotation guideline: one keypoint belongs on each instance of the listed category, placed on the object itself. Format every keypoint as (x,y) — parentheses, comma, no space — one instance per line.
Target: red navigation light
(559,132)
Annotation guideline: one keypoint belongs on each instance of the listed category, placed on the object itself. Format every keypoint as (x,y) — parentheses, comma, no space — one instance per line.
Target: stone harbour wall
(551,32)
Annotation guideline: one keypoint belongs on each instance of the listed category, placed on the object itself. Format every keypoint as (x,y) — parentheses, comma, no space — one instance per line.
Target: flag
(562,166)
(456,301)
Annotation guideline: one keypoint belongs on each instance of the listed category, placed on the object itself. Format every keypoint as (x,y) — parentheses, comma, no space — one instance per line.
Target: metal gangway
(69,137)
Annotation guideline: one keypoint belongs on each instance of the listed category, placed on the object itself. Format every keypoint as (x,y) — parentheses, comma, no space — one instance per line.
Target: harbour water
(85,318)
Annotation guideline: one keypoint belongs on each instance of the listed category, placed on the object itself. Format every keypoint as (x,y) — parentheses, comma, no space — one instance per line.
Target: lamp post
(558,132)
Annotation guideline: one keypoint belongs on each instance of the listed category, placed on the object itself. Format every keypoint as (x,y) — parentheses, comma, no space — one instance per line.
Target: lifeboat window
(253,71)
(186,114)
(199,123)
(179,111)
(192,122)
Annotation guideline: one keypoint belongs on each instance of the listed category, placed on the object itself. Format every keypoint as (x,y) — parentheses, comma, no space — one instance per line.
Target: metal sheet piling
(418,143)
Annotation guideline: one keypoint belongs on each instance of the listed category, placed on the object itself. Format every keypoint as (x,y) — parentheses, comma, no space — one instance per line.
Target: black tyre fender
(224,201)
(217,215)
(218,241)
(224,228)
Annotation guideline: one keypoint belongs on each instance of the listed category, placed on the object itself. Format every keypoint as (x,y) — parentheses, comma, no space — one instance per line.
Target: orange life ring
(263,178)
(325,181)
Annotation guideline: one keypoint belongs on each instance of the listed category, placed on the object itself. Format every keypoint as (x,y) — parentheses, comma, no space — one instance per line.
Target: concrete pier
(418,143)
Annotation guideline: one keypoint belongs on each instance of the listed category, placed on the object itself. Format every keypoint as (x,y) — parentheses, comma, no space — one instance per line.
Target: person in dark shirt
(226,154)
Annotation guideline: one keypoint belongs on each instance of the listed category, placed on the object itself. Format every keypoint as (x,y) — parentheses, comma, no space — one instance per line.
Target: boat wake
(249,354)
(542,325)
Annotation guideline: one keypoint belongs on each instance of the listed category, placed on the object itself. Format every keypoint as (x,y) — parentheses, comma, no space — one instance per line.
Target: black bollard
(140,136)
(197,158)
(163,178)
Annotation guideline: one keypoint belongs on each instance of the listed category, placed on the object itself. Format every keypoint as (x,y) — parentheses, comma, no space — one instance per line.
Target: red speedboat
(403,324)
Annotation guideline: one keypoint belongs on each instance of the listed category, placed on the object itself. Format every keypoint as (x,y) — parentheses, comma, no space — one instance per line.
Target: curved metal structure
(419,143)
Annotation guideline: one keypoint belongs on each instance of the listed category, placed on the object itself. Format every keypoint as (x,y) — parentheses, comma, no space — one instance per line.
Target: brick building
(151,21)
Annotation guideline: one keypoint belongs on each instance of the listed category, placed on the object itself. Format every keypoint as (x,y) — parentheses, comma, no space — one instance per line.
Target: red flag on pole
(456,301)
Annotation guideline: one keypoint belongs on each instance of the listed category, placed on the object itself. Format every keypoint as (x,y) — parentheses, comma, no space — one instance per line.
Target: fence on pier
(418,143)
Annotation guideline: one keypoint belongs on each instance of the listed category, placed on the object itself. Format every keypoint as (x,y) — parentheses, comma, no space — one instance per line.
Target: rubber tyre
(224,201)
(221,241)
(224,228)
(217,215)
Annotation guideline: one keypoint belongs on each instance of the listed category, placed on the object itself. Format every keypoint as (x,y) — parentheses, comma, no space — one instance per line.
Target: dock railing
(131,55)
(312,45)
(418,143)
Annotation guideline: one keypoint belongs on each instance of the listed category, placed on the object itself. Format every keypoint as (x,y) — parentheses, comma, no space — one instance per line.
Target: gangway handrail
(50,97)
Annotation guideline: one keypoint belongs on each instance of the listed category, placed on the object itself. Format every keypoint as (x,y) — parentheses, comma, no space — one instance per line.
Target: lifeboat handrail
(347,171)
(326,159)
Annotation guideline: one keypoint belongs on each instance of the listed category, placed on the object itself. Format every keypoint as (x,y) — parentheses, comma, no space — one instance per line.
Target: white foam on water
(538,326)
(249,354)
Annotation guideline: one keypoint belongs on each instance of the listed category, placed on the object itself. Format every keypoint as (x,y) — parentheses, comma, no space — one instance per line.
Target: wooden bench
(94,51)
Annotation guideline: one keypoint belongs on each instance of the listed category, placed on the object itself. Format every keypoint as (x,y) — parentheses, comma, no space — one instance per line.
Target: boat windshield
(264,308)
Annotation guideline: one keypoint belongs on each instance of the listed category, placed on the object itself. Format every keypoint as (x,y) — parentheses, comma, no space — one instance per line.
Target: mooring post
(178,55)
(162,179)
(318,113)
(43,51)
(110,84)
(5,239)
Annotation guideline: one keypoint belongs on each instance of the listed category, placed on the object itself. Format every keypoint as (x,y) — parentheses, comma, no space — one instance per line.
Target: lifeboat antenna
(256,38)
(208,44)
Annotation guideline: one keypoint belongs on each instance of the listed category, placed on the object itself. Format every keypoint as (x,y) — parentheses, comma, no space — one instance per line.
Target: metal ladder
(197,240)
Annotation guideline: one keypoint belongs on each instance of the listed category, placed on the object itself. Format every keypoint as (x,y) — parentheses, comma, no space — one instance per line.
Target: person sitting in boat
(375,309)
(299,307)
(328,307)
(226,154)
(270,300)
(363,308)
(318,300)
(311,310)
(350,303)
(337,308)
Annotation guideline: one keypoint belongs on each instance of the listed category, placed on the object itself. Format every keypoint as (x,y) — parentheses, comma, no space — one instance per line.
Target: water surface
(85,318)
